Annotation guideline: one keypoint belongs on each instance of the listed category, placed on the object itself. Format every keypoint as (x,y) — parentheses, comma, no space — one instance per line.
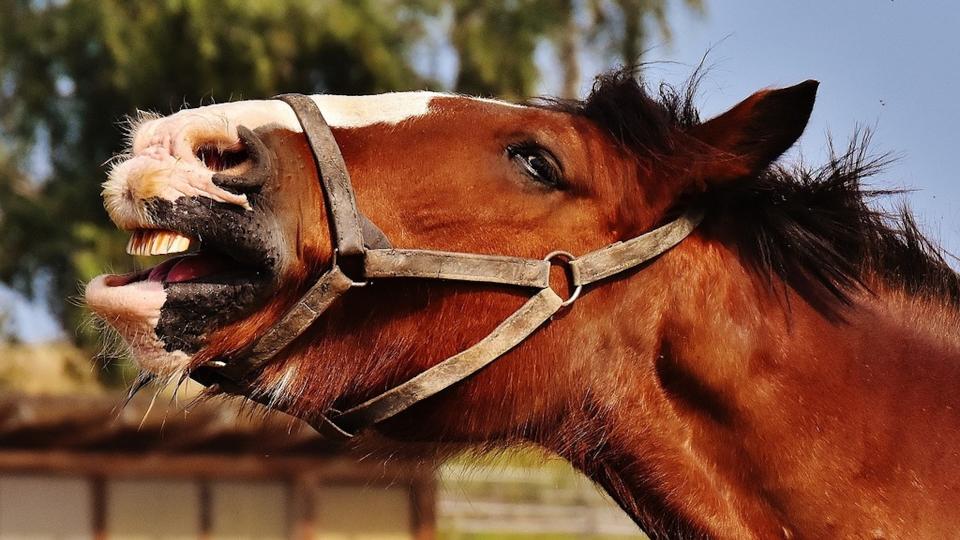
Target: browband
(360,245)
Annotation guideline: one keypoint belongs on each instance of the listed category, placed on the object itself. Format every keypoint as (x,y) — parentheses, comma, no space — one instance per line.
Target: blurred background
(71,71)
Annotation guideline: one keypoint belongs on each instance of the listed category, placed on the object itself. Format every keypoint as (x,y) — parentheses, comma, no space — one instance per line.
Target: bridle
(362,250)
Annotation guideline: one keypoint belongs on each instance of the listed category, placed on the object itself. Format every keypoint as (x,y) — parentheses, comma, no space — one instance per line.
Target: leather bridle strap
(297,319)
(622,256)
(357,238)
(508,335)
(344,217)
(415,263)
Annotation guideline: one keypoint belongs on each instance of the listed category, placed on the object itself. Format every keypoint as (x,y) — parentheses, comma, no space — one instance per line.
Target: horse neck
(748,405)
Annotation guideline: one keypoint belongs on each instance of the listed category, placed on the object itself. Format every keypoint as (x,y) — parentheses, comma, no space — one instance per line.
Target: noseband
(362,251)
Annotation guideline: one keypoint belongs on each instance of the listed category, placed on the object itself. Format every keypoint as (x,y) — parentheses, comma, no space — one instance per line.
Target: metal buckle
(565,257)
(353,283)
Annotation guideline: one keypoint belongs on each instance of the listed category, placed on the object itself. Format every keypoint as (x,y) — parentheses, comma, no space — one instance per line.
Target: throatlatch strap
(622,256)
(416,263)
(508,335)
(337,189)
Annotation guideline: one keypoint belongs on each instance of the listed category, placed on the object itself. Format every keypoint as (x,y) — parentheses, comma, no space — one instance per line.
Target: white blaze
(339,111)
(360,111)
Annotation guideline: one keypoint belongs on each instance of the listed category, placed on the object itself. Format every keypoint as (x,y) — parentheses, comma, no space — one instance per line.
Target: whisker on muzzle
(143,380)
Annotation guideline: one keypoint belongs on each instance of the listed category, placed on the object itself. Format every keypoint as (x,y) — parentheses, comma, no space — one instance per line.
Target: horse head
(232,192)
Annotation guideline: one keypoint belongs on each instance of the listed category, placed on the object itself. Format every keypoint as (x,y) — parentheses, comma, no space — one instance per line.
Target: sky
(890,65)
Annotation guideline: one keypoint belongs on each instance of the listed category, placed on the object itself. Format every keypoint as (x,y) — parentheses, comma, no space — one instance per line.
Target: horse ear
(754,133)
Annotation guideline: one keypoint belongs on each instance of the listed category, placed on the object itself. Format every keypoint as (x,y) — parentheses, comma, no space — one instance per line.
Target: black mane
(811,227)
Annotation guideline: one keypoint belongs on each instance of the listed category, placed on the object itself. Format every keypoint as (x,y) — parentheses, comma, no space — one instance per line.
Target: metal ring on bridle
(566,257)
(353,283)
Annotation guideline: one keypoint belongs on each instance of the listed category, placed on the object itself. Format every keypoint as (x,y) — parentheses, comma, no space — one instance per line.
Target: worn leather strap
(416,263)
(621,256)
(337,189)
(510,333)
(293,323)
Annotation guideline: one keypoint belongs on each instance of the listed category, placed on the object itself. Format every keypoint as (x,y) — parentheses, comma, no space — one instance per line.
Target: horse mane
(817,229)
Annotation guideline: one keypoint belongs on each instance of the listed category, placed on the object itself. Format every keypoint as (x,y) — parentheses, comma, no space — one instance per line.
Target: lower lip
(139,301)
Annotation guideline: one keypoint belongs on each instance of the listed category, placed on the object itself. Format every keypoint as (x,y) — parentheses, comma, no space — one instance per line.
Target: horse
(779,363)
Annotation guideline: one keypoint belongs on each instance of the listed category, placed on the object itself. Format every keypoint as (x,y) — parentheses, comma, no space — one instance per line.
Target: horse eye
(538,164)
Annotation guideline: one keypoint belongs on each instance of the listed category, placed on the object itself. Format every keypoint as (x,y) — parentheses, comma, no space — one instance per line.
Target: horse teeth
(145,242)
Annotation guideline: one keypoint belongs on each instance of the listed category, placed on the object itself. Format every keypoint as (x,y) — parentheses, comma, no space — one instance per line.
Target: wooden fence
(514,496)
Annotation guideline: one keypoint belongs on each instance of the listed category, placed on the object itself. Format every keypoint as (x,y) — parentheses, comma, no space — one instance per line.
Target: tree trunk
(569,50)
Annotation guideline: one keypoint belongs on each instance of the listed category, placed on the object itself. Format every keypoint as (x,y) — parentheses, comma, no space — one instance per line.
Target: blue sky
(891,65)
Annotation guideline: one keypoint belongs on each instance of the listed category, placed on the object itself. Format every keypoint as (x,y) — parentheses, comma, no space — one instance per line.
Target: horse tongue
(159,272)
(194,266)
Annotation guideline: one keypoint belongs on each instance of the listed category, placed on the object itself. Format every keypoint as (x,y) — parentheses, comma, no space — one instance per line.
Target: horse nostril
(241,168)
(217,158)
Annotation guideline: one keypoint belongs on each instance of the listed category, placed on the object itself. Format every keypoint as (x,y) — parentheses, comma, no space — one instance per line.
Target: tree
(616,30)
(495,41)
(70,71)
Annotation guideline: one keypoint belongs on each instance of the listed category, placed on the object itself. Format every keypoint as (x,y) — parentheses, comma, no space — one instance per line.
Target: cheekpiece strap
(622,256)
(341,204)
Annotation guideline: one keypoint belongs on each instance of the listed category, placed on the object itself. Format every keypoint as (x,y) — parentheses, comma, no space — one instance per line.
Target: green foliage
(72,70)
(496,40)
(619,27)
(6,332)
(48,368)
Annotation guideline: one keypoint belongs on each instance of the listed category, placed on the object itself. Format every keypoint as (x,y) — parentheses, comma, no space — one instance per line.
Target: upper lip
(242,235)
